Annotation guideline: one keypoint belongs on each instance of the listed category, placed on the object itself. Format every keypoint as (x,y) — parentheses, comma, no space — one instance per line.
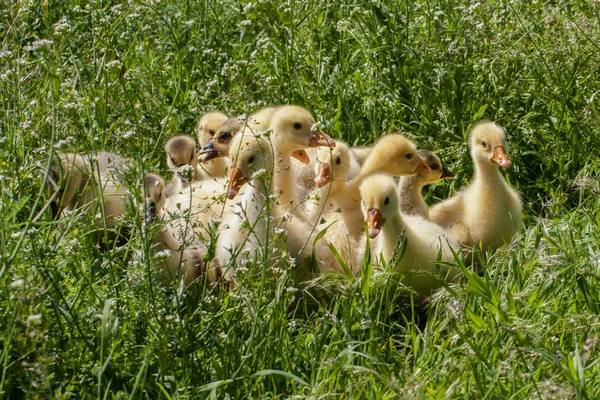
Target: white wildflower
(41,45)
(268,132)
(163,254)
(259,174)
(62,26)
(60,144)
(316,126)
(17,283)
(114,64)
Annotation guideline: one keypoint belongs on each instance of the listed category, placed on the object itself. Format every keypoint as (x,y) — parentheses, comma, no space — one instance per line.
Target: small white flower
(114,64)
(268,132)
(17,283)
(259,174)
(60,144)
(42,45)
(34,319)
(316,126)
(163,254)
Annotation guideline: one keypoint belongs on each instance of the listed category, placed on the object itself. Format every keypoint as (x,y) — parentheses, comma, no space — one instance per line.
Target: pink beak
(375,222)
(324,176)
(500,158)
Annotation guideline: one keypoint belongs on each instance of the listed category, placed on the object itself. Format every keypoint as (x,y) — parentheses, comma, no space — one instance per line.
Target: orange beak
(301,156)
(422,167)
(320,138)
(324,175)
(375,222)
(236,182)
(500,158)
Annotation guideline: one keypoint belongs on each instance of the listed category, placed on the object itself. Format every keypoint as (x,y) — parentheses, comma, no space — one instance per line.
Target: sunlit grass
(82,320)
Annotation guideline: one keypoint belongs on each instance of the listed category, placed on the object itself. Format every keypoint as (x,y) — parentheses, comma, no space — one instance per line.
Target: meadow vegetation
(82,320)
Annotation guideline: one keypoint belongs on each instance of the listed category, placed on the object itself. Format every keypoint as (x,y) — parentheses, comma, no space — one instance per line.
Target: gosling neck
(217,167)
(284,182)
(487,174)
(411,199)
(328,194)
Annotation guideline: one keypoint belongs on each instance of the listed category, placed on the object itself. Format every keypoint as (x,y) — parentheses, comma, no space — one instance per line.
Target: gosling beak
(55,210)
(236,182)
(210,151)
(447,174)
(422,167)
(301,156)
(500,157)
(150,212)
(375,222)
(320,138)
(323,176)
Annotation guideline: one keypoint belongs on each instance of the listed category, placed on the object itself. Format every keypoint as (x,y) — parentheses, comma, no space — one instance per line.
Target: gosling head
(154,187)
(332,164)
(379,202)
(252,158)
(67,178)
(181,156)
(437,173)
(218,146)
(293,130)
(488,144)
(207,125)
(395,155)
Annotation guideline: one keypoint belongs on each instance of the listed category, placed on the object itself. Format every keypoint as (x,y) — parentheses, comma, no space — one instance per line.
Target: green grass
(81,321)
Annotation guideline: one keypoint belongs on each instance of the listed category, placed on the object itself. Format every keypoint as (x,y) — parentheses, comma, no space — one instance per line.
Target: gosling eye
(484,145)
(338,161)
(297,126)
(225,136)
(191,158)
(211,132)
(409,156)
(173,161)
(386,202)
(435,167)
(251,160)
